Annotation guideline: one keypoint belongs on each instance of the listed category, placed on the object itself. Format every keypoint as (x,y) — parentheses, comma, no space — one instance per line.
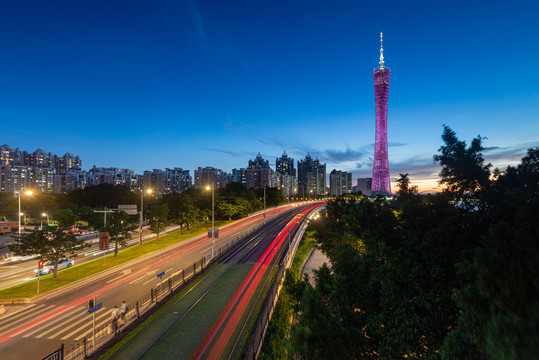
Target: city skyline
(185,84)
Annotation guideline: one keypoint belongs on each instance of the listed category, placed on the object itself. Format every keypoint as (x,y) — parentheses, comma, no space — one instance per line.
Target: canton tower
(380,173)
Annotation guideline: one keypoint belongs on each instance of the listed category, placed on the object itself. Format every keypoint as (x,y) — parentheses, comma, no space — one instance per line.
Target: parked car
(48,268)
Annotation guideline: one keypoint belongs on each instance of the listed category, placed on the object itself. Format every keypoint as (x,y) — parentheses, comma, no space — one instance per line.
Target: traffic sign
(160,275)
(94,308)
(104,240)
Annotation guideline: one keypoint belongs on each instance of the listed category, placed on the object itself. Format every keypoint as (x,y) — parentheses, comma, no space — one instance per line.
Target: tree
(228,209)
(182,209)
(499,316)
(463,169)
(52,244)
(103,195)
(119,227)
(403,183)
(65,217)
(158,220)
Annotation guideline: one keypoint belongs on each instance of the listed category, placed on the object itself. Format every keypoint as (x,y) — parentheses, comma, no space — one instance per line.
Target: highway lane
(40,327)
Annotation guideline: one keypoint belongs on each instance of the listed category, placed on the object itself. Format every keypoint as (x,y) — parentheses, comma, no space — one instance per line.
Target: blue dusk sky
(183,83)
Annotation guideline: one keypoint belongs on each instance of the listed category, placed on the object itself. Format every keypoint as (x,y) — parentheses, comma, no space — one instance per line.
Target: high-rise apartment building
(177,180)
(286,175)
(340,182)
(240,175)
(365,186)
(380,175)
(20,170)
(284,165)
(210,176)
(311,177)
(259,173)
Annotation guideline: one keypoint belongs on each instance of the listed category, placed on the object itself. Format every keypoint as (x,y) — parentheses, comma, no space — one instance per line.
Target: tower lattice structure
(380,174)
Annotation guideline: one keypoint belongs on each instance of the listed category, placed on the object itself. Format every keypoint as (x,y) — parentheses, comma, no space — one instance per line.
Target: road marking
(85,318)
(169,270)
(26,317)
(98,318)
(69,313)
(13,314)
(144,283)
(97,326)
(126,272)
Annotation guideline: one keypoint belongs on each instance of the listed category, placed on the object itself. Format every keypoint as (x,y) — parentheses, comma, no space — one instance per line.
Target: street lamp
(43,215)
(29,192)
(212,218)
(149,191)
(24,214)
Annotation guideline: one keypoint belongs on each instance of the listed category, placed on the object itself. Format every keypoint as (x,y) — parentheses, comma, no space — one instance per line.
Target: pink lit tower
(380,173)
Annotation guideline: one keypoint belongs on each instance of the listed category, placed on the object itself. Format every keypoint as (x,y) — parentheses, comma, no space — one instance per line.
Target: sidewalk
(313,262)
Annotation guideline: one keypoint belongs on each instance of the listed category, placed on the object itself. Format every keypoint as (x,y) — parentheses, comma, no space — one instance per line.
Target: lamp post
(149,191)
(29,192)
(212,218)
(43,215)
(24,214)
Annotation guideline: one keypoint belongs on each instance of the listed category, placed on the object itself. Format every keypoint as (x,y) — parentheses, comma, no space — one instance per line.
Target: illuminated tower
(380,173)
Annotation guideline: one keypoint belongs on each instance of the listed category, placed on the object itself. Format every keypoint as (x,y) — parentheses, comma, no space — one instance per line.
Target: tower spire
(381,50)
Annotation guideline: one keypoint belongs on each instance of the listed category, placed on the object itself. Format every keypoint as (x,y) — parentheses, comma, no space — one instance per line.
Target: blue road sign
(95,308)
(160,275)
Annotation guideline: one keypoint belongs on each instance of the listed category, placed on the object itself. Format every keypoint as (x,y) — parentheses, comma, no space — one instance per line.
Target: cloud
(510,155)
(338,156)
(238,154)
(199,26)
(233,126)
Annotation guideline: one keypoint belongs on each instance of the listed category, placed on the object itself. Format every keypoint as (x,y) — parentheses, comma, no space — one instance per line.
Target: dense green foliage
(187,208)
(274,346)
(158,218)
(446,276)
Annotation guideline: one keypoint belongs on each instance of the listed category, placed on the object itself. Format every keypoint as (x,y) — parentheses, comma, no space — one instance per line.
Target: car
(20,258)
(48,268)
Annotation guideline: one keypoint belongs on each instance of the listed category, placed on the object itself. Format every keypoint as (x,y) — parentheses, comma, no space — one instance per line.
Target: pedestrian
(115,315)
(123,310)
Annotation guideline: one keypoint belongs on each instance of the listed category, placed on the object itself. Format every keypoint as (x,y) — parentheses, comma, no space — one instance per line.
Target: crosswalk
(75,324)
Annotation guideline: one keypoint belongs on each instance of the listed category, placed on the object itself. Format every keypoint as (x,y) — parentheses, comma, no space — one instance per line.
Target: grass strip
(186,337)
(78,272)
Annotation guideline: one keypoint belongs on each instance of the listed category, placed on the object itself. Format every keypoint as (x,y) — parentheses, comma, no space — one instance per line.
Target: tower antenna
(381,50)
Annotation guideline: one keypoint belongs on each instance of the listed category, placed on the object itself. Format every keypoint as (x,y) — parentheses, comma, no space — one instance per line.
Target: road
(198,325)
(12,273)
(34,330)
